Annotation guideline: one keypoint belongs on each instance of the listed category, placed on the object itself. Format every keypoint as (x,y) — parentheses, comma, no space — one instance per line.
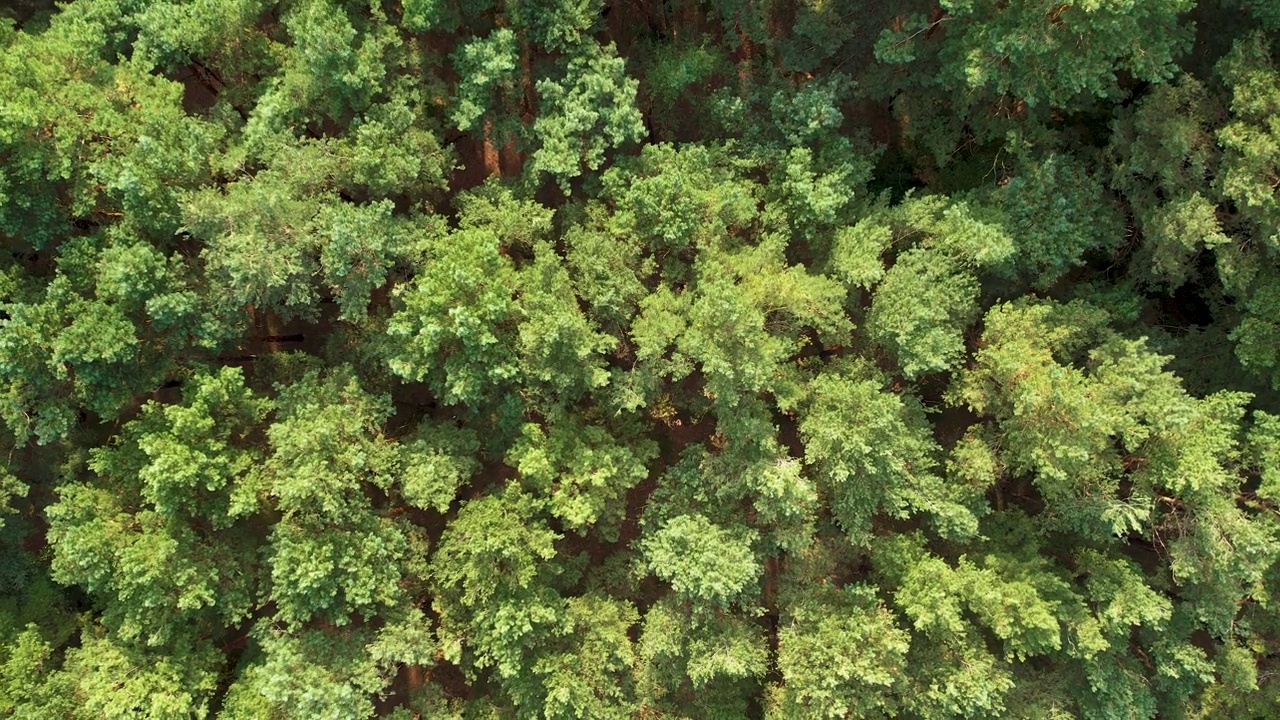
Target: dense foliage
(589,359)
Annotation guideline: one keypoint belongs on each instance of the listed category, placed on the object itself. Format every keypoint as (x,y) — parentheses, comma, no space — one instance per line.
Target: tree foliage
(591,359)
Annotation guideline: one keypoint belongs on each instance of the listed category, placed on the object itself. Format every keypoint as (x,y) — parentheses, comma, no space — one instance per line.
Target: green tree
(584,114)
(491,580)
(160,532)
(582,470)
(840,655)
(462,309)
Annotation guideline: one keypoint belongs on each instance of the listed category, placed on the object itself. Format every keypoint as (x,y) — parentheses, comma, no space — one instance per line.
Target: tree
(561,352)
(591,676)
(840,655)
(582,470)
(873,454)
(1249,165)
(703,563)
(159,533)
(584,114)
(332,554)
(462,309)
(491,582)
(995,69)
(703,665)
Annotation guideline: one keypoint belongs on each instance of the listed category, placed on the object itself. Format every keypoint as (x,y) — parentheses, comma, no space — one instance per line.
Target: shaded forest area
(575,359)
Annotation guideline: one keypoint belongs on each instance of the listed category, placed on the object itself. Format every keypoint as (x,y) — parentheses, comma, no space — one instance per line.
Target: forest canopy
(591,359)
